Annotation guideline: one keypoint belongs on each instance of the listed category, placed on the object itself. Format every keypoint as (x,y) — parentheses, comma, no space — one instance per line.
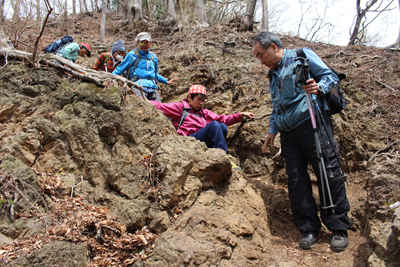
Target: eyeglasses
(260,57)
(201,97)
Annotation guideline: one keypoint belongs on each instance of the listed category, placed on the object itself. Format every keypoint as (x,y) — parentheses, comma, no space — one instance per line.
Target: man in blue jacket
(142,68)
(291,117)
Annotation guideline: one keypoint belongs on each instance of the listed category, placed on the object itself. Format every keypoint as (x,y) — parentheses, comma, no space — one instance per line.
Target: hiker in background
(191,119)
(72,50)
(291,117)
(108,62)
(142,67)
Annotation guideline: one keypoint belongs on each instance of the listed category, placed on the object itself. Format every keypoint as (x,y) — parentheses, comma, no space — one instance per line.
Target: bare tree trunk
(147,6)
(74,7)
(66,15)
(248,17)
(136,10)
(16,8)
(397,43)
(201,12)
(181,17)
(80,6)
(265,23)
(128,6)
(171,13)
(103,23)
(85,5)
(2,10)
(38,15)
(360,19)
(96,6)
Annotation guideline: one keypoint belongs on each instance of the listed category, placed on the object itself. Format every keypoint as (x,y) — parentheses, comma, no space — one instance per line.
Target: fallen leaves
(72,219)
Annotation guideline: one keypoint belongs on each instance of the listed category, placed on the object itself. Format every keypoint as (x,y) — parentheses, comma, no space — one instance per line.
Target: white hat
(143,36)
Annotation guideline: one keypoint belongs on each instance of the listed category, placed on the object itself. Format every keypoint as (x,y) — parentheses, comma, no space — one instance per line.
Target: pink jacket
(193,123)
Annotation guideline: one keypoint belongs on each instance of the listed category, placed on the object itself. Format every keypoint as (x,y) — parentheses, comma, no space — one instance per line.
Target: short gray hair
(266,38)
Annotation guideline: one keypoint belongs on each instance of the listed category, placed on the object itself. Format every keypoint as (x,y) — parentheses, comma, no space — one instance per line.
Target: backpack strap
(130,65)
(55,52)
(136,63)
(300,53)
(105,60)
(341,76)
(185,112)
(155,68)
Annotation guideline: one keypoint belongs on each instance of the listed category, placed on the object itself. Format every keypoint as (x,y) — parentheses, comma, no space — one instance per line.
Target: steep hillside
(91,179)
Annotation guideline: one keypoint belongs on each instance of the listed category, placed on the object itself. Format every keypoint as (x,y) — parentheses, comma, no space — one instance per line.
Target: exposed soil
(370,123)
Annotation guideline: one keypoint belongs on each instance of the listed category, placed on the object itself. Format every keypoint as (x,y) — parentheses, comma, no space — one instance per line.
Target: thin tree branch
(72,189)
(384,84)
(36,208)
(50,9)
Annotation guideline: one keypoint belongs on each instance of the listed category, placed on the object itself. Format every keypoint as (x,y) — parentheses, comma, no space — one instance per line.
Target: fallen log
(89,75)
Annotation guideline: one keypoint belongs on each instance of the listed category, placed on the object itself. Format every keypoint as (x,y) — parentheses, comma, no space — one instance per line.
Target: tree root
(379,153)
(244,120)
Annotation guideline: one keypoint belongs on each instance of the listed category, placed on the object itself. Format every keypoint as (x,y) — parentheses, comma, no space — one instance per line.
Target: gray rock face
(225,229)
(112,150)
(385,221)
(62,254)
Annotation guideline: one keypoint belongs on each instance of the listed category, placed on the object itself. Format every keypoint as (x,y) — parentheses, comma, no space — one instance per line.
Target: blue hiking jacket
(146,69)
(289,101)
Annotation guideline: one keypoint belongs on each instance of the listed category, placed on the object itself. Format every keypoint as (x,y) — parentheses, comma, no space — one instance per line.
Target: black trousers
(298,149)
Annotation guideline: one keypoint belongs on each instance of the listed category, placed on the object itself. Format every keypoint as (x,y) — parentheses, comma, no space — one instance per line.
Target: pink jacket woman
(195,120)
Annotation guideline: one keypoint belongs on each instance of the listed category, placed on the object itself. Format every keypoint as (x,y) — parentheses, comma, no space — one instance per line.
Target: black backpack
(334,97)
(57,44)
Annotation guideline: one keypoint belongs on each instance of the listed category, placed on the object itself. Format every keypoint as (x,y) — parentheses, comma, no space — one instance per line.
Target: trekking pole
(331,140)
(302,75)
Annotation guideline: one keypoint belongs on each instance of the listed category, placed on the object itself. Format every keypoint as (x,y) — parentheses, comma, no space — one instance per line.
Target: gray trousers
(150,96)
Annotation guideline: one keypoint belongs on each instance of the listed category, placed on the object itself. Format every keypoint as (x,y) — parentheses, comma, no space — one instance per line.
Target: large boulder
(227,228)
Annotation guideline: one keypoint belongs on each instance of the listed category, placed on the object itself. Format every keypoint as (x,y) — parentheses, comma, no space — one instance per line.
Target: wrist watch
(320,90)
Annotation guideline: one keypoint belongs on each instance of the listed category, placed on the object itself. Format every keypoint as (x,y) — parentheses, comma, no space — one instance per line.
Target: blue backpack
(57,44)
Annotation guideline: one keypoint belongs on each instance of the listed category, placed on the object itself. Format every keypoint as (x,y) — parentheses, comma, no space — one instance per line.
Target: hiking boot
(233,164)
(339,241)
(308,240)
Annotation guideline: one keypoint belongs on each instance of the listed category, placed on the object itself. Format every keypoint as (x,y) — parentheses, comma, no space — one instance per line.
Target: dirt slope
(221,59)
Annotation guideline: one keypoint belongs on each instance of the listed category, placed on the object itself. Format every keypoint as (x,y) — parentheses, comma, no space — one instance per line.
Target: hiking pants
(298,149)
(150,96)
(214,135)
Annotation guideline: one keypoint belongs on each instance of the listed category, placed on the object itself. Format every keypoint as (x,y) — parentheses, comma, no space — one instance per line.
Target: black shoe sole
(338,249)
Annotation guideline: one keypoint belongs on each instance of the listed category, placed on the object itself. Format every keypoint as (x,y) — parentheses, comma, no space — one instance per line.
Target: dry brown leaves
(49,183)
(72,219)
(151,182)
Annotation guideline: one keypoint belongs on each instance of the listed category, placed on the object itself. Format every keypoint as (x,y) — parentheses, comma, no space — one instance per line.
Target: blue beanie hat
(118,46)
